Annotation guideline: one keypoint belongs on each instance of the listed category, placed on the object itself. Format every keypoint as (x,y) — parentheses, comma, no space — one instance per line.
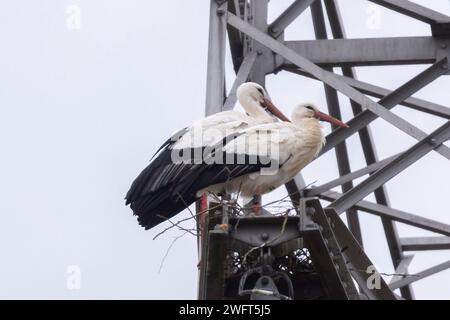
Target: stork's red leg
(203,211)
(257,208)
(256,204)
(202,214)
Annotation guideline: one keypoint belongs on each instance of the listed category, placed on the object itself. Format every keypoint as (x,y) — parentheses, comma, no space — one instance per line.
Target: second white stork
(279,151)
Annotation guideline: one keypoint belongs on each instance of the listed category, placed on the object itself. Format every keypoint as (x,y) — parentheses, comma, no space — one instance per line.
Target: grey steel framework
(258,48)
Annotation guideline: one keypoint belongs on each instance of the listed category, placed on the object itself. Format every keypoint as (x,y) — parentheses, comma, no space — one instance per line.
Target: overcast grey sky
(83,109)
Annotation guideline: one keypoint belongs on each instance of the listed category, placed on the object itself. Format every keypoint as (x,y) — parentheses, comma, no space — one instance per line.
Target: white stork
(258,157)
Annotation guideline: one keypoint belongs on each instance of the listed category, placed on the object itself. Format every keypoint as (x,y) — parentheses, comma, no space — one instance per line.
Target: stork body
(288,147)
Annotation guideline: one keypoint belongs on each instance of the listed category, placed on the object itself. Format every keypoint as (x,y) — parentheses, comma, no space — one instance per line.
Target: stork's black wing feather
(169,142)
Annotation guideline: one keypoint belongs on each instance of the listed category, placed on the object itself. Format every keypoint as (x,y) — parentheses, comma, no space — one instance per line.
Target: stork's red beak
(324,117)
(274,110)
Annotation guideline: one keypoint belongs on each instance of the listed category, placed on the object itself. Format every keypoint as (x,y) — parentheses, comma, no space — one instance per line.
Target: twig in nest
(179,227)
(290,194)
(173,224)
(168,249)
(180,197)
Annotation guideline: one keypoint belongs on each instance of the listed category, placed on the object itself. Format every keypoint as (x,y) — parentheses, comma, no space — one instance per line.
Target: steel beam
(419,276)
(288,16)
(368,147)
(215,76)
(401,163)
(357,260)
(331,95)
(326,253)
(389,101)
(295,188)
(259,11)
(414,10)
(371,168)
(258,18)
(235,36)
(333,81)
(241,77)
(413,103)
(394,214)
(379,92)
(402,268)
(425,243)
(367,52)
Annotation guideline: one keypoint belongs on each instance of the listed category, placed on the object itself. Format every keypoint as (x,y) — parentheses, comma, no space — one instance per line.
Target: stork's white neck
(311,130)
(254,109)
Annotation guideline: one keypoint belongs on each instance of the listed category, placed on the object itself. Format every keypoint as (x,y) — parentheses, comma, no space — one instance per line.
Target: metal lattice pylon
(258,49)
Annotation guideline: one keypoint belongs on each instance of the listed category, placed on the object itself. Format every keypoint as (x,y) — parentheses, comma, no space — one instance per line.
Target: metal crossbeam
(235,36)
(241,77)
(333,81)
(369,150)
(419,276)
(215,75)
(402,268)
(288,16)
(425,243)
(389,101)
(394,214)
(413,103)
(258,17)
(357,259)
(380,92)
(367,52)
(350,176)
(383,175)
(413,10)
(334,109)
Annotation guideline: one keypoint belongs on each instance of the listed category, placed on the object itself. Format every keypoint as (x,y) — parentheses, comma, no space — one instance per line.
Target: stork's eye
(260,90)
(309,108)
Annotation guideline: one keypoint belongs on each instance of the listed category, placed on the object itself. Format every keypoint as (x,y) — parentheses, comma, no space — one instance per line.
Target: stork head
(251,90)
(309,110)
(255,101)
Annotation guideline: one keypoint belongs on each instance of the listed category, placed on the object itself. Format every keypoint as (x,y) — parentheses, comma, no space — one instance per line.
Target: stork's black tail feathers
(153,196)
(158,207)
(164,188)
